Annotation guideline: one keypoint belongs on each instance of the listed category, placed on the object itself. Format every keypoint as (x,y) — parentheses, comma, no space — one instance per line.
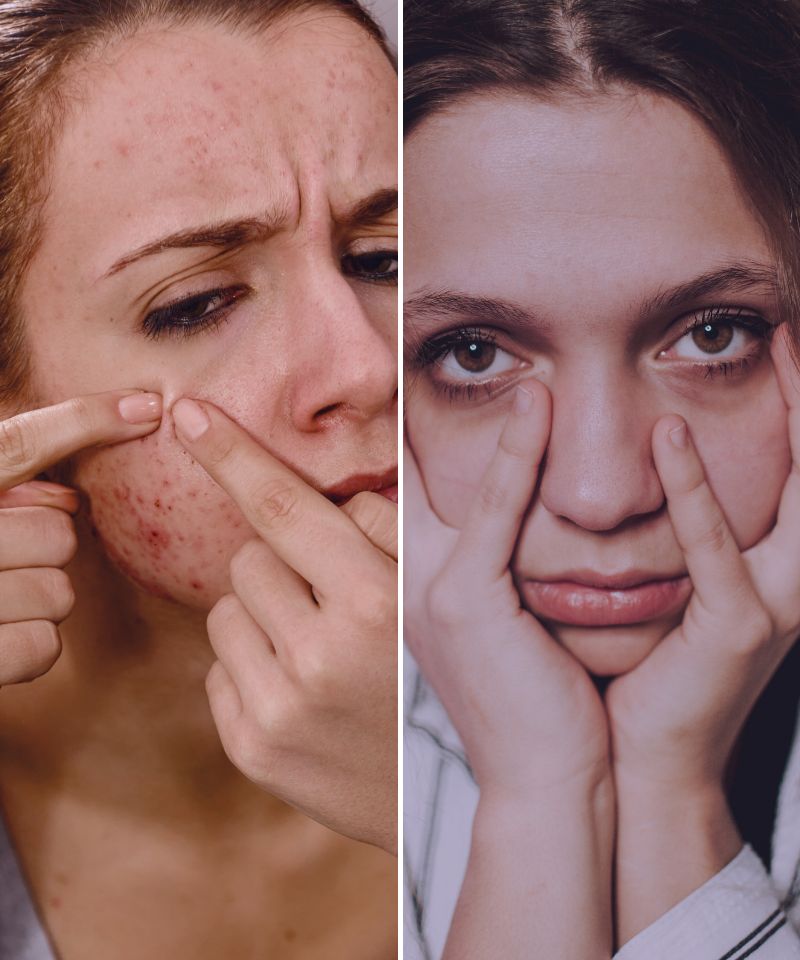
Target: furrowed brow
(227,233)
(372,209)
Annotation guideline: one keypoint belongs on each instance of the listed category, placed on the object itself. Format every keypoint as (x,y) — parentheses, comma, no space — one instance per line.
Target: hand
(37,536)
(304,688)
(675,718)
(526,711)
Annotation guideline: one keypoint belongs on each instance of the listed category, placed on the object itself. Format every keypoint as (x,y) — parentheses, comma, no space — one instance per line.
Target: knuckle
(757,627)
(492,498)
(275,504)
(61,538)
(16,444)
(60,592)
(376,606)
(243,561)
(715,537)
(82,415)
(445,606)
(220,450)
(29,649)
(222,615)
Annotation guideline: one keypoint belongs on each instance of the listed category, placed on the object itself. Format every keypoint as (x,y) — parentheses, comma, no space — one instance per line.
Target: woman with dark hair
(602,209)
(197,325)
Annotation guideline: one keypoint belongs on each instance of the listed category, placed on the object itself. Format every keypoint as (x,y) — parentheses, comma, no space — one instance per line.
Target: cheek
(453,453)
(747,464)
(161,519)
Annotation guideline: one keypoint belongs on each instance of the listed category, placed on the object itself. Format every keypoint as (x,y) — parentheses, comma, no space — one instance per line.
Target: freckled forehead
(201,121)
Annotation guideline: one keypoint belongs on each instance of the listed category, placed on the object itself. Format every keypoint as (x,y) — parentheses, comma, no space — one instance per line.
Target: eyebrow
(239,231)
(734,278)
(447,305)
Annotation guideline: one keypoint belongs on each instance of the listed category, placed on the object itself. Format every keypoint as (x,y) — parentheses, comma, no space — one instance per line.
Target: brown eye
(475,355)
(713,337)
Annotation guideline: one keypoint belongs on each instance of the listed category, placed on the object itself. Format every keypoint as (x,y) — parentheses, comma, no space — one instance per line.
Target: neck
(123,716)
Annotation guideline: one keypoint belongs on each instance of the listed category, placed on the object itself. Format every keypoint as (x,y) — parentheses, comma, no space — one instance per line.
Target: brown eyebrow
(370,210)
(734,278)
(239,231)
(448,305)
(227,233)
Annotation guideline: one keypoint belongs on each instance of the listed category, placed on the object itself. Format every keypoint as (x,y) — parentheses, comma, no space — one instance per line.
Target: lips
(592,600)
(384,484)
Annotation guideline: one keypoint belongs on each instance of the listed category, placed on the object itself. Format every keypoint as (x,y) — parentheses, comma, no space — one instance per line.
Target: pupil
(475,356)
(713,337)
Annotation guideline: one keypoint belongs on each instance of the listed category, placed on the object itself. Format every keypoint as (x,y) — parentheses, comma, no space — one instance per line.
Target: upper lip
(360,482)
(625,580)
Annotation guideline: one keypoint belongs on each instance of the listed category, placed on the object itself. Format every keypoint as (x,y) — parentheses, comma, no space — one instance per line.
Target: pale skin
(119,747)
(635,458)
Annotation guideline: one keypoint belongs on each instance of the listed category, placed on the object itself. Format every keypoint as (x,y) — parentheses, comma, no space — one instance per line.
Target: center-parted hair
(734,63)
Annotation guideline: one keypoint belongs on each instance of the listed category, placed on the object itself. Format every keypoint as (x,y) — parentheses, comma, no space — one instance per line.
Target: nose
(346,366)
(599,471)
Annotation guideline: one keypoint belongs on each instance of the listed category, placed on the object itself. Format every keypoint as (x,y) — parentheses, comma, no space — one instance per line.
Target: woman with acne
(199,393)
(602,501)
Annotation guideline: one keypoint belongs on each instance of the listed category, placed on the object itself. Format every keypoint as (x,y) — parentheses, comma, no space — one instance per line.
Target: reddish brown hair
(38,40)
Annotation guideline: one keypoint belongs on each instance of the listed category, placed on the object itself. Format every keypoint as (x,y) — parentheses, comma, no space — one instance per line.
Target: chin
(610,651)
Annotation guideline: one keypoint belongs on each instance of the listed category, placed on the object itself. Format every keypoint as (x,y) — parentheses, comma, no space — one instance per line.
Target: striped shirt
(744,911)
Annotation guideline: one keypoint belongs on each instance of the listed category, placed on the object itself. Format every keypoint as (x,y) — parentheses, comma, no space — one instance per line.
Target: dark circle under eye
(475,356)
(713,337)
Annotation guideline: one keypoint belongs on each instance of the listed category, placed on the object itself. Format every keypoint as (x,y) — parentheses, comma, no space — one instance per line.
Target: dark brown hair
(38,40)
(733,63)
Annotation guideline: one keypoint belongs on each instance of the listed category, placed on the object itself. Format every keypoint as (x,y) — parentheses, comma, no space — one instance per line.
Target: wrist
(670,841)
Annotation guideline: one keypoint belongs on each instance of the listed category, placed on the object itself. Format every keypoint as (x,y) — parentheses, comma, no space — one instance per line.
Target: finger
(715,565)
(275,596)
(42,593)
(494,518)
(33,441)
(27,650)
(41,493)
(242,647)
(376,518)
(784,537)
(224,700)
(303,527)
(36,537)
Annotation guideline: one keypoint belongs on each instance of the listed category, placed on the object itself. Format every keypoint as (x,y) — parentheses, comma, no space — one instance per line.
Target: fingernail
(523,400)
(140,408)
(190,419)
(679,436)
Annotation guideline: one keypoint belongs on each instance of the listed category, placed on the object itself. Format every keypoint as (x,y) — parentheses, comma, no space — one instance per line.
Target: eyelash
(741,319)
(351,262)
(172,319)
(433,351)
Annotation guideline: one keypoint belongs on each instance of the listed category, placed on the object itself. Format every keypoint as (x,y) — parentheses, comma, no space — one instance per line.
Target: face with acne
(219,225)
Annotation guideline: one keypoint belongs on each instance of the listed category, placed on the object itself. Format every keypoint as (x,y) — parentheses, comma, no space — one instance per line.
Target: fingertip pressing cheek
(160,519)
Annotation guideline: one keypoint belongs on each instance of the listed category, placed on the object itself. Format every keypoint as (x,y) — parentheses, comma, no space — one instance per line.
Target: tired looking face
(604,247)
(220,225)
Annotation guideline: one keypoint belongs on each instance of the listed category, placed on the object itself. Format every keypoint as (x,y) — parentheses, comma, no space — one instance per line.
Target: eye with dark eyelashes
(190,315)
